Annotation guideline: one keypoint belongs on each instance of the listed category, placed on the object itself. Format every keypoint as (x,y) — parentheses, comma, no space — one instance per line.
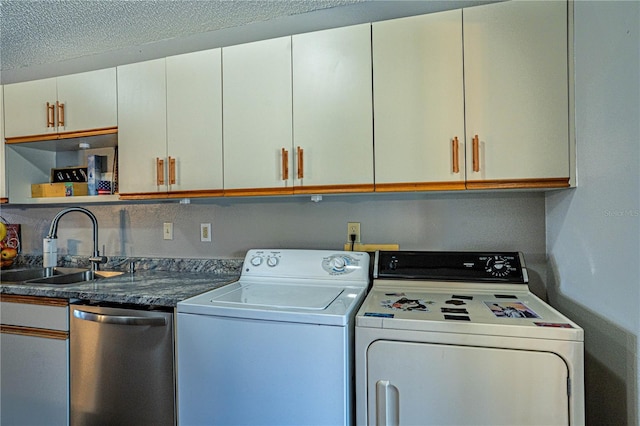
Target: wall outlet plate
(353,228)
(205,232)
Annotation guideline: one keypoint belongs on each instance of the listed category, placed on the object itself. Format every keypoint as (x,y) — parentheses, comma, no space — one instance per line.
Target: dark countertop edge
(174,287)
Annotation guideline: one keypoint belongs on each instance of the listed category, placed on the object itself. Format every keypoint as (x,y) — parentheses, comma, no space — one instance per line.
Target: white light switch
(167,232)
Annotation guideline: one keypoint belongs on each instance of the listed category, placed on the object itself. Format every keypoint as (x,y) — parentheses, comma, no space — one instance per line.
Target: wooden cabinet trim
(62,135)
(34,332)
(420,186)
(519,184)
(34,300)
(204,193)
(248,192)
(333,189)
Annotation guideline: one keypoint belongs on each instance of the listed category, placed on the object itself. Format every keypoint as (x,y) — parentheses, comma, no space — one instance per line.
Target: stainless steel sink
(57,276)
(20,275)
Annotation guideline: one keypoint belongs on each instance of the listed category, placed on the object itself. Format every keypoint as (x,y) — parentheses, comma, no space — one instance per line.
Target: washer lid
(302,303)
(280,296)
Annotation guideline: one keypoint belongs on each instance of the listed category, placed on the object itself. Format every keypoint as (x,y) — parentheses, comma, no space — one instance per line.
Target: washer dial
(339,264)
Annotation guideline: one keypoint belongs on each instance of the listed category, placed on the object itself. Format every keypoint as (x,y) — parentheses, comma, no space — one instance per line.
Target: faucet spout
(50,251)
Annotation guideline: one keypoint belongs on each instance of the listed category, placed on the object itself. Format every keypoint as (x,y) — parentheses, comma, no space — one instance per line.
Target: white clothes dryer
(457,338)
(275,347)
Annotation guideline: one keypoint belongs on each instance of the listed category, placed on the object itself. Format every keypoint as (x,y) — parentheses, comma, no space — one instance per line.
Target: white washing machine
(275,347)
(457,338)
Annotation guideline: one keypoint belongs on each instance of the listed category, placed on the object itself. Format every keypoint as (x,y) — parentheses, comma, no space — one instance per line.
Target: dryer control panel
(451,266)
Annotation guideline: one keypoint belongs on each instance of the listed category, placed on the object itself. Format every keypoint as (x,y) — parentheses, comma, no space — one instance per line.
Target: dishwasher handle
(118,319)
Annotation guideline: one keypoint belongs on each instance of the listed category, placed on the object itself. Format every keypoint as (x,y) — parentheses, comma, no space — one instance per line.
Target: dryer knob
(272,261)
(256,260)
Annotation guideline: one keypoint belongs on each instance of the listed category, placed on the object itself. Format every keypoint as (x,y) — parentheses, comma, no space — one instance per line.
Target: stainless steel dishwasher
(122,365)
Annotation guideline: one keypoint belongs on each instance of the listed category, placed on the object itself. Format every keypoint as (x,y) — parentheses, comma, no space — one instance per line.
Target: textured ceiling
(47,31)
(46,38)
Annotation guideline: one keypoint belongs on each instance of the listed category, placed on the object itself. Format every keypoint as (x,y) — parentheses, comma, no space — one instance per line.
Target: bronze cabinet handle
(159,171)
(300,163)
(476,153)
(285,164)
(51,115)
(172,171)
(456,158)
(60,114)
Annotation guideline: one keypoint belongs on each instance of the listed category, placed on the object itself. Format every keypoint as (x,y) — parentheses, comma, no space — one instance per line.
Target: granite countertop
(153,284)
(149,288)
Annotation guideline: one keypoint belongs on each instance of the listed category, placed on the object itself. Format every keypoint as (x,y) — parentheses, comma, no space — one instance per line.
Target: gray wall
(593,232)
(469,221)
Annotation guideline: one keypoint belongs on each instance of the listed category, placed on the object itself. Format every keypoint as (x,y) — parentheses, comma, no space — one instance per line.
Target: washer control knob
(338,264)
(272,261)
(256,260)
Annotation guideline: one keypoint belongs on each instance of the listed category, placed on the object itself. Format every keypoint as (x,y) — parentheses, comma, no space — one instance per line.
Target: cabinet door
(419,102)
(257,117)
(332,109)
(26,107)
(89,100)
(516,91)
(142,130)
(34,358)
(194,120)
(35,380)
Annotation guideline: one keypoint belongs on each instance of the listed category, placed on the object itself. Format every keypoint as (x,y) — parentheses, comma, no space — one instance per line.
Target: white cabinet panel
(332,107)
(194,120)
(26,107)
(419,101)
(34,358)
(516,90)
(34,380)
(142,130)
(170,125)
(89,100)
(70,103)
(257,115)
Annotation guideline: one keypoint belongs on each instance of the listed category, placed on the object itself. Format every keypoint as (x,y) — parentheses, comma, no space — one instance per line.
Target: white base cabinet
(34,359)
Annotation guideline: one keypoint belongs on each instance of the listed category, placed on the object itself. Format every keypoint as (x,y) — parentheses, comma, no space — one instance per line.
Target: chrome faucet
(50,245)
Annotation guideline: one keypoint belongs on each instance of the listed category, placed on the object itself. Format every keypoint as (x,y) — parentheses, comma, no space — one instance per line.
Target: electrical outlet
(205,232)
(167,232)
(353,228)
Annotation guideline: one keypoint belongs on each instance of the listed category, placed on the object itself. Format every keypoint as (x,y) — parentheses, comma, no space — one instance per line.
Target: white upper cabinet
(170,126)
(257,118)
(142,130)
(71,103)
(332,110)
(419,102)
(517,94)
(194,121)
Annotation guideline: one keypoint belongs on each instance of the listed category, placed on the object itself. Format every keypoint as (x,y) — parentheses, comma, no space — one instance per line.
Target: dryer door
(436,384)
